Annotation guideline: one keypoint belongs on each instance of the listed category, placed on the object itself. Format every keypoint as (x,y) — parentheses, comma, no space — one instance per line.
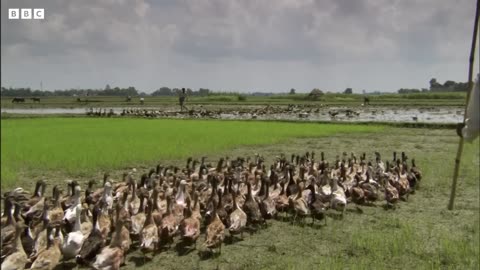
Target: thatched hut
(315,94)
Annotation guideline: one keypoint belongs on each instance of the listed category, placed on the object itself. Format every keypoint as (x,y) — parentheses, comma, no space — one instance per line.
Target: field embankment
(334,99)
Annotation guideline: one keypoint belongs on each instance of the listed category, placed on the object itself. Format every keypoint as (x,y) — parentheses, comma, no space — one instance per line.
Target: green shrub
(242,98)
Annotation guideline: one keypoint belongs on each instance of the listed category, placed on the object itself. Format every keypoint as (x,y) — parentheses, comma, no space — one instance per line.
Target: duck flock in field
(98,227)
(301,111)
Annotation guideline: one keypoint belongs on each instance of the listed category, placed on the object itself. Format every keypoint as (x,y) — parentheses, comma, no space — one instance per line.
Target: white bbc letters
(39,13)
(13,13)
(26,13)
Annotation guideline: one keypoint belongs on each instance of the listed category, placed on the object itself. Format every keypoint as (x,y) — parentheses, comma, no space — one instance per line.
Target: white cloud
(243,44)
(141,8)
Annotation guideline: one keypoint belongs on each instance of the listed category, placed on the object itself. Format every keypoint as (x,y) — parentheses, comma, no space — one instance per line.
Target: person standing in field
(181,99)
(366,101)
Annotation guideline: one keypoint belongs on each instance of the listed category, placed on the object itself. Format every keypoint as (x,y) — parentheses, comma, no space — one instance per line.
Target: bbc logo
(26,13)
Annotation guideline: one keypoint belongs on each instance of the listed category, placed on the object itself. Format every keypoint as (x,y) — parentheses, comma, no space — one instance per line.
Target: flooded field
(346,114)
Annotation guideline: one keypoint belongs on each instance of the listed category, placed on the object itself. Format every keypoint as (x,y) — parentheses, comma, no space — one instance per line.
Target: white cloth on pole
(472,121)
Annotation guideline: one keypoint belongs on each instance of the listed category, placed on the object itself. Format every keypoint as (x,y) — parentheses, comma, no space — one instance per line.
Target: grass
(419,234)
(414,99)
(79,146)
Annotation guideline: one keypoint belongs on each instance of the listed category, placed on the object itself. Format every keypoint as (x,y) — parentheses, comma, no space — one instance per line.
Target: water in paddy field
(363,114)
(385,114)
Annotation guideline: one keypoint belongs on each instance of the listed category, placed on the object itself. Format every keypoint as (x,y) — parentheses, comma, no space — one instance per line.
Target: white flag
(472,121)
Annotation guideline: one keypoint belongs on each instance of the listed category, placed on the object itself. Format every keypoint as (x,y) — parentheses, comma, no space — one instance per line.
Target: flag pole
(470,86)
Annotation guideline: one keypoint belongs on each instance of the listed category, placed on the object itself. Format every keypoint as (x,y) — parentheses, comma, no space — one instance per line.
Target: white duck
(180,196)
(339,200)
(74,240)
(71,212)
(107,197)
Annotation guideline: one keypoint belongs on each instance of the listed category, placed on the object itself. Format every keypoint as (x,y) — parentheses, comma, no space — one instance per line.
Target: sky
(237,45)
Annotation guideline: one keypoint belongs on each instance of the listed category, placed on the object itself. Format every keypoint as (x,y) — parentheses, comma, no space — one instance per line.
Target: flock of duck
(301,111)
(100,226)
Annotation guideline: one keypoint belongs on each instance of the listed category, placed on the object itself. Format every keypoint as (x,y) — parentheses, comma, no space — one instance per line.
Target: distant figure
(36,99)
(129,98)
(366,101)
(142,100)
(181,100)
(18,100)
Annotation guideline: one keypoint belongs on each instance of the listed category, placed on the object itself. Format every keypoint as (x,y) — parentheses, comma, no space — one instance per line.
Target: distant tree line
(435,86)
(448,86)
(166,91)
(411,90)
(108,91)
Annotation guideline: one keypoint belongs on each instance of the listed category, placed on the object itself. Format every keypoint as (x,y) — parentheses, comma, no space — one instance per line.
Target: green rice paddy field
(81,146)
(419,234)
